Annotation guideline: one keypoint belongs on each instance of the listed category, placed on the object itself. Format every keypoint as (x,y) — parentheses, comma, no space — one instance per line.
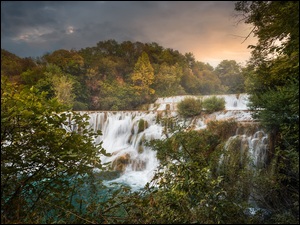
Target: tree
(190,82)
(69,61)
(32,76)
(167,81)
(184,189)
(45,153)
(273,84)
(115,96)
(275,58)
(63,88)
(142,77)
(209,82)
(12,66)
(230,74)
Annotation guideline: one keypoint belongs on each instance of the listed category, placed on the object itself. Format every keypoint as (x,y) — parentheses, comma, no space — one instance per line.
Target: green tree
(32,76)
(45,153)
(190,82)
(231,76)
(116,96)
(273,83)
(209,82)
(167,81)
(57,84)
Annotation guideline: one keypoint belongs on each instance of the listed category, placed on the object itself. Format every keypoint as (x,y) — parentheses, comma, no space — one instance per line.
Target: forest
(120,76)
(47,166)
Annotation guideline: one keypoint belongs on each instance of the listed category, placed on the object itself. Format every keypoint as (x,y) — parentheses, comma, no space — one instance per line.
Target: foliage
(12,66)
(68,61)
(167,81)
(230,74)
(272,79)
(213,104)
(80,106)
(272,193)
(116,96)
(184,190)
(208,81)
(189,107)
(142,78)
(163,72)
(44,153)
(142,125)
(190,82)
(63,88)
(32,76)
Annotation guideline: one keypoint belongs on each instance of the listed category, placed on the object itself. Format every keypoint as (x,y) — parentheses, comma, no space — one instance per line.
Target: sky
(207,29)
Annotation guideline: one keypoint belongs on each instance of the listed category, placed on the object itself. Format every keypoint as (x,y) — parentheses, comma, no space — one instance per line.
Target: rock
(120,163)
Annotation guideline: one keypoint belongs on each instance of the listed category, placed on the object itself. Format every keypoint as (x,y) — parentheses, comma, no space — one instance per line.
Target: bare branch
(248,34)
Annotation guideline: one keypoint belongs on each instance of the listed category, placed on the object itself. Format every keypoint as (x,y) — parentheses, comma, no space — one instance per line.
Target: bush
(213,104)
(189,107)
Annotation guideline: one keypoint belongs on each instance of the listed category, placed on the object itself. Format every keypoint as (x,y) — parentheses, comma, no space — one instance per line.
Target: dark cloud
(205,28)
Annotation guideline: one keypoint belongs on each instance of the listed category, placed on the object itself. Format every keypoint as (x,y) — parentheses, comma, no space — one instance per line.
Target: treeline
(120,76)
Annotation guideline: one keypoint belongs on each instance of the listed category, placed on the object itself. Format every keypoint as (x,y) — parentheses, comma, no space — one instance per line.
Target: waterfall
(252,148)
(246,150)
(124,134)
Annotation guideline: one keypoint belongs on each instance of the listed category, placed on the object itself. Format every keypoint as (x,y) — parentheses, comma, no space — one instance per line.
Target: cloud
(205,28)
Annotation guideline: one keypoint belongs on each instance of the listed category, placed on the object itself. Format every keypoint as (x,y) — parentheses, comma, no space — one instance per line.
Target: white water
(232,101)
(121,136)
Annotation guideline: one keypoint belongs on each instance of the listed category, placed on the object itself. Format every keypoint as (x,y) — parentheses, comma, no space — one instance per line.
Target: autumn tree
(63,88)
(143,77)
(69,61)
(12,65)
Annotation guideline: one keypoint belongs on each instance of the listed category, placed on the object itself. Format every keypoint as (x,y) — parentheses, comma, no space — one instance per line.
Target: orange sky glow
(207,29)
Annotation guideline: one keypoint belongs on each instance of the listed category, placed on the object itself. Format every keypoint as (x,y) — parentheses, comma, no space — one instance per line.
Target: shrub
(189,107)
(213,104)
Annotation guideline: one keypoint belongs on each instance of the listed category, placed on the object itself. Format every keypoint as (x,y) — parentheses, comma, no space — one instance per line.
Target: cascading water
(248,149)
(252,148)
(124,134)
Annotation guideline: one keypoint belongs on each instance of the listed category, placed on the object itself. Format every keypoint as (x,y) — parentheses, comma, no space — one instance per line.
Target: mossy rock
(143,124)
